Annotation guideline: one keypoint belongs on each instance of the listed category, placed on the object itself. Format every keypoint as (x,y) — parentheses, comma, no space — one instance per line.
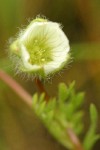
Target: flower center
(39,51)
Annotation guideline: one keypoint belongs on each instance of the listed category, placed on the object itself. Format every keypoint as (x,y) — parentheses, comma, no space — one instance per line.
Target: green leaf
(42,107)
(69,111)
(79,128)
(58,115)
(48,118)
(41,98)
(51,105)
(62,92)
(76,118)
(78,100)
(93,115)
(91,136)
(71,91)
(35,99)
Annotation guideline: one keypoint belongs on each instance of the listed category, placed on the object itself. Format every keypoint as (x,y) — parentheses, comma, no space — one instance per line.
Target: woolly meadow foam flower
(41,49)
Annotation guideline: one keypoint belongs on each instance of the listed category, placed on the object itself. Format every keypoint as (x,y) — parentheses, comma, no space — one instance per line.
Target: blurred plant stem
(19,90)
(16,88)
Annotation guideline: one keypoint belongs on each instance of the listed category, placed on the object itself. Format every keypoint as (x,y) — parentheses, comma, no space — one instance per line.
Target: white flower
(42,48)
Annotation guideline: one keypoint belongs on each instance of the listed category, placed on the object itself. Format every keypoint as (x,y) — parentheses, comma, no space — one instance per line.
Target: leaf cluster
(64,112)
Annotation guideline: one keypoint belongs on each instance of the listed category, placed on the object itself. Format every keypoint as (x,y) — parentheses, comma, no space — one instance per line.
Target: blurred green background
(19,128)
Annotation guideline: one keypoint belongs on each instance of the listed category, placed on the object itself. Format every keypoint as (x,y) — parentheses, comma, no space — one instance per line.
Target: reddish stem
(41,88)
(74,139)
(16,88)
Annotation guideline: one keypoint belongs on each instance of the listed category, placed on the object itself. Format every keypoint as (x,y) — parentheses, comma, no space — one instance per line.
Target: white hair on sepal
(41,16)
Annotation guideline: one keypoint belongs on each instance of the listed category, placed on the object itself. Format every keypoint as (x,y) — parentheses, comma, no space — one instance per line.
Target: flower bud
(42,48)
